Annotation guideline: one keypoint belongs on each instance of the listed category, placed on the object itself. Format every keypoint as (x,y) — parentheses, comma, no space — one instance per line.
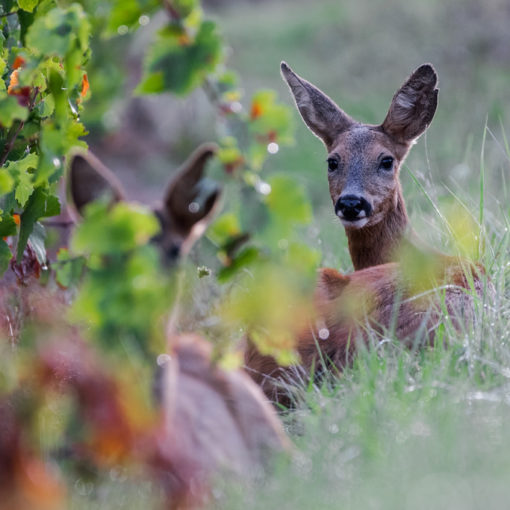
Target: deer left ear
(413,106)
(88,180)
(191,200)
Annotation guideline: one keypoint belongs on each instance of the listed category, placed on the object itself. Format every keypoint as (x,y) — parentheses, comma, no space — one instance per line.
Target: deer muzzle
(352,208)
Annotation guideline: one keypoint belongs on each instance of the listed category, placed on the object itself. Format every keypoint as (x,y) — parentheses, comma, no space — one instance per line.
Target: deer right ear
(320,113)
(191,199)
(413,106)
(88,180)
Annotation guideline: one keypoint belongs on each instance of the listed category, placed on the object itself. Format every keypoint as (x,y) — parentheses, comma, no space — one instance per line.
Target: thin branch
(9,145)
(58,223)
(172,11)
(9,13)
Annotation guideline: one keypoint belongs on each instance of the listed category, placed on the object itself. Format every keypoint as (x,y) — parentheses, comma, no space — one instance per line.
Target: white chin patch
(358,223)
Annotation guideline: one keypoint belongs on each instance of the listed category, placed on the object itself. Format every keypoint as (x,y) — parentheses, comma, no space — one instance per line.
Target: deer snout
(352,208)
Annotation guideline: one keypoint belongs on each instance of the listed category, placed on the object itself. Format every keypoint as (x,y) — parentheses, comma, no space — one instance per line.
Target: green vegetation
(398,429)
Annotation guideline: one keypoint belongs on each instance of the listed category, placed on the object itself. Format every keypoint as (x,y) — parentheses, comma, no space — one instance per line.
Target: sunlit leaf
(19,170)
(27,5)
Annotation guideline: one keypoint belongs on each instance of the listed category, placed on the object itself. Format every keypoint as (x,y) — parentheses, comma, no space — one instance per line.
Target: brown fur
(215,422)
(364,305)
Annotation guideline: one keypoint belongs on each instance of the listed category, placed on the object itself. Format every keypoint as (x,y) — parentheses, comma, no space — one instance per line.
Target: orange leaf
(18,62)
(84,85)
(14,82)
(256,110)
(184,40)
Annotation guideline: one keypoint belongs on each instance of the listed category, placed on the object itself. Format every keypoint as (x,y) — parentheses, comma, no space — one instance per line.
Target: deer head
(188,204)
(364,160)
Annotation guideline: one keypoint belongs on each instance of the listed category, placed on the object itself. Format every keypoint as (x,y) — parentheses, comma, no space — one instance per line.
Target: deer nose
(351,208)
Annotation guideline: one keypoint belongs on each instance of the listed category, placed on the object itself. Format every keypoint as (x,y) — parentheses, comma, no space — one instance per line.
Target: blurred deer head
(187,207)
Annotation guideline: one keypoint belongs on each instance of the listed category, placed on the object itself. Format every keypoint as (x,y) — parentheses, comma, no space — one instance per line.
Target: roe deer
(363,173)
(214,421)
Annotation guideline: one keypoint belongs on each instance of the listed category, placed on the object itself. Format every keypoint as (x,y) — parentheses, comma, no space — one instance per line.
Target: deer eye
(386,163)
(332,164)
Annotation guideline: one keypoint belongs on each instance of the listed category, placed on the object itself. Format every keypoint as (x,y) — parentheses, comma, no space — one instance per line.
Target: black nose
(349,207)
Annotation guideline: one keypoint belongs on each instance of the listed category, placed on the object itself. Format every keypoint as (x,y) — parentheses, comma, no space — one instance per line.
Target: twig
(58,224)
(9,13)
(172,11)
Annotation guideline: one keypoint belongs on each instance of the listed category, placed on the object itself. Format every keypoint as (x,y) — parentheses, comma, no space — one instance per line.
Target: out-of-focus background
(359,53)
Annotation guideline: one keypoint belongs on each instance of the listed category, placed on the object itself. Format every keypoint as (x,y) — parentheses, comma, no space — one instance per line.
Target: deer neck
(378,244)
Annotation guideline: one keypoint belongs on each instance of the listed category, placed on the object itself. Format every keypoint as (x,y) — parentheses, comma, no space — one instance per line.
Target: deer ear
(331,284)
(320,113)
(191,199)
(413,106)
(89,179)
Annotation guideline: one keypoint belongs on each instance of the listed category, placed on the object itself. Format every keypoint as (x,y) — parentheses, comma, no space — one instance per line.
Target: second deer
(215,422)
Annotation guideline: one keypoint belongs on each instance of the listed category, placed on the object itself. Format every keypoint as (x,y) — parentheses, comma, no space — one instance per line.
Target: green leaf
(6,183)
(303,258)
(40,204)
(178,64)
(118,230)
(57,139)
(19,171)
(246,257)
(225,227)
(36,242)
(287,201)
(128,12)
(5,256)
(185,7)
(28,5)
(10,111)
(59,31)
(270,121)
(7,226)
(68,269)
